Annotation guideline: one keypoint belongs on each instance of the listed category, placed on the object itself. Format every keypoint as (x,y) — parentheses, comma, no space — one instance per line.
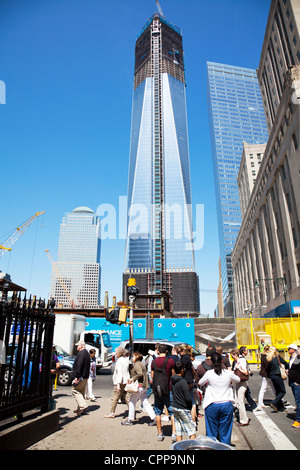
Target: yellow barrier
(279,332)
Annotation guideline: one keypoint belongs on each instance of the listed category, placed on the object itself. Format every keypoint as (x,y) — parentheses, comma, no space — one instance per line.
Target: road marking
(277,438)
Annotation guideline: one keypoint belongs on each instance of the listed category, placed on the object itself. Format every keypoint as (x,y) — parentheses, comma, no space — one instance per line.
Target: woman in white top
(120,377)
(218,400)
(240,367)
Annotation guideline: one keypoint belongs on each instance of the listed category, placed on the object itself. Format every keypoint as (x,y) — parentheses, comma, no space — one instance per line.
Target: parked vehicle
(8,364)
(70,328)
(64,376)
(144,345)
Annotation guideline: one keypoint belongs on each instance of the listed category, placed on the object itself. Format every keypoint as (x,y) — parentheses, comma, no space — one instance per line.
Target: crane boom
(60,279)
(159,9)
(17,233)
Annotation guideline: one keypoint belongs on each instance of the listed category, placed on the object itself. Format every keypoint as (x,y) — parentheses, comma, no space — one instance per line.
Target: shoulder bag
(132,387)
(241,375)
(282,370)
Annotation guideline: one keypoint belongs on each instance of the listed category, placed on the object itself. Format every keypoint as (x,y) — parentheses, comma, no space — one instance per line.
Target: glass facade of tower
(159,189)
(76,274)
(236,114)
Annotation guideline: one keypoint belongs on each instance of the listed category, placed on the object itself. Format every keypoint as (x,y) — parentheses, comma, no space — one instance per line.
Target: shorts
(160,403)
(184,422)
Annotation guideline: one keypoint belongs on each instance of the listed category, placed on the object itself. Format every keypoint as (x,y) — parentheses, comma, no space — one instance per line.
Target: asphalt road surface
(268,430)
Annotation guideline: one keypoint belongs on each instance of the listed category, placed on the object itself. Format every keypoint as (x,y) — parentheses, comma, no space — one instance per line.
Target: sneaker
(160,437)
(173,437)
(127,423)
(152,422)
(274,407)
(296,424)
(110,415)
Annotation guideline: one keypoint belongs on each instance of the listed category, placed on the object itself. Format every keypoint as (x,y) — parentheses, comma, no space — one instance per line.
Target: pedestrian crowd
(219,384)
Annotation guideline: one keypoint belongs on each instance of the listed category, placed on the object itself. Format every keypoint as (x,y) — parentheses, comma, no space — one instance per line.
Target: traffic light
(132,289)
(116,315)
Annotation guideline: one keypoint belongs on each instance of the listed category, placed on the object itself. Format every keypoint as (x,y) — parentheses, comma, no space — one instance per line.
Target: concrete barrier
(24,434)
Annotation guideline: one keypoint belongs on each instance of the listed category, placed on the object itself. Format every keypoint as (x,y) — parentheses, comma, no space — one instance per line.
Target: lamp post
(248,310)
(281,281)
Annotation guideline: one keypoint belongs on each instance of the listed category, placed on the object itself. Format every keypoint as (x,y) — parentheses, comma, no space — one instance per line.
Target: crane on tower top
(17,233)
(159,8)
(60,279)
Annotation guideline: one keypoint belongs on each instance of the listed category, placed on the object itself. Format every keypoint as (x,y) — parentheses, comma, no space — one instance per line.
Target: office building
(76,275)
(159,250)
(280,51)
(250,163)
(236,114)
(266,256)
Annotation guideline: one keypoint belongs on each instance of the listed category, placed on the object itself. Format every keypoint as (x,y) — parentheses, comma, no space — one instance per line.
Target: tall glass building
(236,114)
(76,275)
(159,239)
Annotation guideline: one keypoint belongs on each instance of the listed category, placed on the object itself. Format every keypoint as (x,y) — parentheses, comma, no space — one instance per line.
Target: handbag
(241,375)
(282,370)
(132,387)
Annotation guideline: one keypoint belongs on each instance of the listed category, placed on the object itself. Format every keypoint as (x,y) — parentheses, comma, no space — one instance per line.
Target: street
(268,430)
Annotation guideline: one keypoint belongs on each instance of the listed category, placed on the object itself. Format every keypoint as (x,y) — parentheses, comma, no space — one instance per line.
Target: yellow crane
(60,279)
(17,233)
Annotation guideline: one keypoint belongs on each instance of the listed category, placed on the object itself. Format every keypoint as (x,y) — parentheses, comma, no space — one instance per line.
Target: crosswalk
(276,436)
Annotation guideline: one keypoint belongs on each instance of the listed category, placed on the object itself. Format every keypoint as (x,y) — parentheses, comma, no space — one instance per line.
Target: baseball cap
(80,343)
(293,346)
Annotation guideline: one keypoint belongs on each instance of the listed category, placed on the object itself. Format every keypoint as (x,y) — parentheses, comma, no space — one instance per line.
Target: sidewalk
(92,431)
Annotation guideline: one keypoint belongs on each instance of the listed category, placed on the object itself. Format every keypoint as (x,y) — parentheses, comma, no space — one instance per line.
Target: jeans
(164,401)
(296,392)
(280,391)
(249,399)
(219,421)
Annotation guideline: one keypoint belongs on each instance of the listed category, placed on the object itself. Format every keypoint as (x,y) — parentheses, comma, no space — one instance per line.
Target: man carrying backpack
(206,364)
(162,370)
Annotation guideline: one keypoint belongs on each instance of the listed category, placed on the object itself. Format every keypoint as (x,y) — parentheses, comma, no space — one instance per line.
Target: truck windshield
(106,340)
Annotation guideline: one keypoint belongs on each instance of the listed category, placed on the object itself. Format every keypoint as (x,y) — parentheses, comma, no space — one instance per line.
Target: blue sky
(65,128)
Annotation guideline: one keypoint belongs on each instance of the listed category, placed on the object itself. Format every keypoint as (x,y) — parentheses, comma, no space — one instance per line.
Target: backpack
(160,384)
(206,366)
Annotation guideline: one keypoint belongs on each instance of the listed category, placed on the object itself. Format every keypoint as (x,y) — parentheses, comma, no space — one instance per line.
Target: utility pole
(132,291)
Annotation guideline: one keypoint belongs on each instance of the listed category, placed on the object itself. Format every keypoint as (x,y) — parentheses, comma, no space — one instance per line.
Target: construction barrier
(280,332)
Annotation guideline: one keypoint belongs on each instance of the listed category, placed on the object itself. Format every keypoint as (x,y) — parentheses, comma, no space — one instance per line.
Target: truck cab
(100,341)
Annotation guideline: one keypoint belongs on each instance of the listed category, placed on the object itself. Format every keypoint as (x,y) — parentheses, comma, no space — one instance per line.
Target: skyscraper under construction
(159,247)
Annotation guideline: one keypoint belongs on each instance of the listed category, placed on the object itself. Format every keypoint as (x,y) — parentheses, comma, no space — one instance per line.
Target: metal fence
(280,332)
(26,336)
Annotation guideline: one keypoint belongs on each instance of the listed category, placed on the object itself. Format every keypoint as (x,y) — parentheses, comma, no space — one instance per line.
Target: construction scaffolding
(279,332)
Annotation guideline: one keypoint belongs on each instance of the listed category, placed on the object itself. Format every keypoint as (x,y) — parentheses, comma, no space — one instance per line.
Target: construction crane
(60,279)
(159,9)
(17,233)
